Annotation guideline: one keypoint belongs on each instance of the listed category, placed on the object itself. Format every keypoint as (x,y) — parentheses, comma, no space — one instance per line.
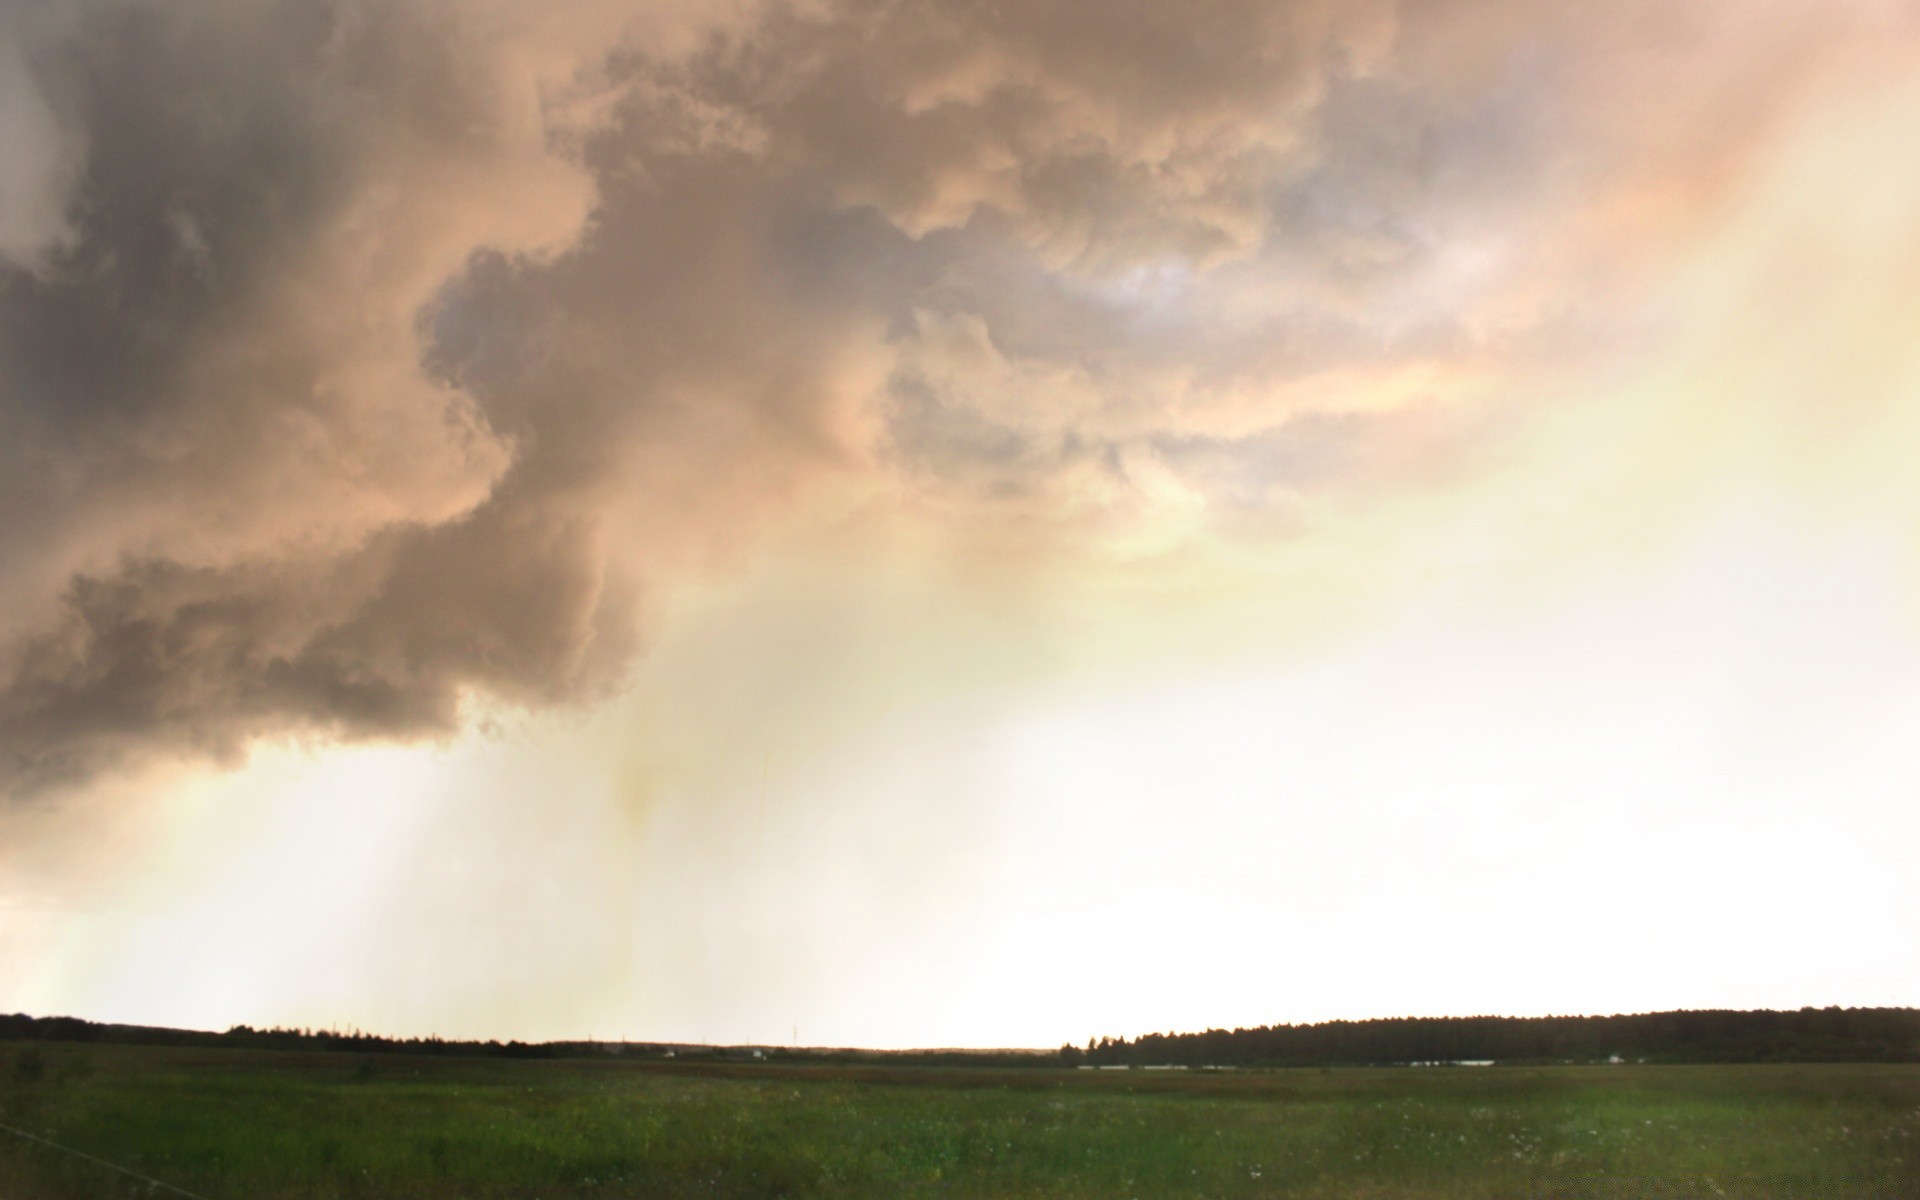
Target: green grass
(245,1125)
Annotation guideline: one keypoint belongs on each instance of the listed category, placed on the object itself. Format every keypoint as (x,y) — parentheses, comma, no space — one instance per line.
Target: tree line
(1711,1036)
(19,1027)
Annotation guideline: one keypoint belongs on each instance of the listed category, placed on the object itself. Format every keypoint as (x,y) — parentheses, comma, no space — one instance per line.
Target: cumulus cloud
(359,358)
(216,420)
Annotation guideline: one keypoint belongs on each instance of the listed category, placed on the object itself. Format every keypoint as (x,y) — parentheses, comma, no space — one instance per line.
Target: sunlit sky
(912,523)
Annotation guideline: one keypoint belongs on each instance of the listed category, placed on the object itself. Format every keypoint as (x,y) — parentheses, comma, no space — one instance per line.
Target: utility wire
(149,1180)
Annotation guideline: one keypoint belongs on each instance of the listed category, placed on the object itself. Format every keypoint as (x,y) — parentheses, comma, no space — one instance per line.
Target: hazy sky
(909,522)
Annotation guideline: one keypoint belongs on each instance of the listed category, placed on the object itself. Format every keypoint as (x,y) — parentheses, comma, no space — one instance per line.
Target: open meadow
(257,1125)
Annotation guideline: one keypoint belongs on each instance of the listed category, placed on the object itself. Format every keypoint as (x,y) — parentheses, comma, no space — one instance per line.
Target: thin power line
(149,1180)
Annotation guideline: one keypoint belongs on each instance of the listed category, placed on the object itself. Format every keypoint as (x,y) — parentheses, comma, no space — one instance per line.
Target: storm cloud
(363,360)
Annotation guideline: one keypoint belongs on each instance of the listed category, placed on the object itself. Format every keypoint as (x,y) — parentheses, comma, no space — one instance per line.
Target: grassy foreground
(229,1125)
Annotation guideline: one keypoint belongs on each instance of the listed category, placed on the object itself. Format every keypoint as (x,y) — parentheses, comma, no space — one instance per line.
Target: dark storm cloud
(236,502)
(361,358)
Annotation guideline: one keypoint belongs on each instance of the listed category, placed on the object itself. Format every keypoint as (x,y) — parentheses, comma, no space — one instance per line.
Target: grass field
(246,1125)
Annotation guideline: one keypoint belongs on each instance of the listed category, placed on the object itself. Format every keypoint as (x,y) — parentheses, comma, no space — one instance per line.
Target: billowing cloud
(362,359)
(218,427)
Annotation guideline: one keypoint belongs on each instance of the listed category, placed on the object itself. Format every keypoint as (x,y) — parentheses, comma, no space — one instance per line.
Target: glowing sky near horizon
(902,524)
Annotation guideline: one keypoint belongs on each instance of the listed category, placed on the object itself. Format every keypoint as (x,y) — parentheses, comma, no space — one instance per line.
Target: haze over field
(926,523)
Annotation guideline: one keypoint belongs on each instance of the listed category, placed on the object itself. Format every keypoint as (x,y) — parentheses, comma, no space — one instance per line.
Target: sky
(918,523)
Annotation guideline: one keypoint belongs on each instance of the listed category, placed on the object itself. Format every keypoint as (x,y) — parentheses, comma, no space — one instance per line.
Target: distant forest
(19,1027)
(1808,1035)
